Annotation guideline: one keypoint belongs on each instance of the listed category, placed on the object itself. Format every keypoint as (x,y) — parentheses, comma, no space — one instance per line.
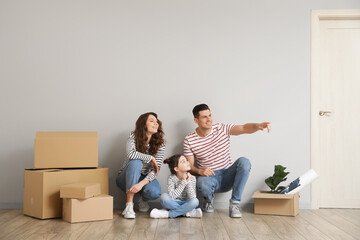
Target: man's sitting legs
(235,178)
(206,187)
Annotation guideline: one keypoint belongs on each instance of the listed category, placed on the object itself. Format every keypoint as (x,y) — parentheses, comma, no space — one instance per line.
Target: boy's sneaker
(195,213)
(156,213)
(143,206)
(235,210)
(129,211)
(208,207)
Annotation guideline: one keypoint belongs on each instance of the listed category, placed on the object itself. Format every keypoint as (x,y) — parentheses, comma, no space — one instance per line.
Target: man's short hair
(198,108)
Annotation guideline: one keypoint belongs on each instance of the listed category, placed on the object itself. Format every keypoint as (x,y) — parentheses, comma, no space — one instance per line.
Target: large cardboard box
(80,190)
(91,209)
(42,188)
(66,150)
(276,204)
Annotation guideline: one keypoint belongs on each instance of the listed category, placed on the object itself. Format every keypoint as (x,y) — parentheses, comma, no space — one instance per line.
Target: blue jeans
(234,177)
(131,175)
(178,208)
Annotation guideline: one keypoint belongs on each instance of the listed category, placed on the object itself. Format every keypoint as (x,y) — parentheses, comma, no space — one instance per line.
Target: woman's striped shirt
(132,154)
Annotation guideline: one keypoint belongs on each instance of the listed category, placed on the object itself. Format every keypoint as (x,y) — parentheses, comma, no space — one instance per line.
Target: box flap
(265,194)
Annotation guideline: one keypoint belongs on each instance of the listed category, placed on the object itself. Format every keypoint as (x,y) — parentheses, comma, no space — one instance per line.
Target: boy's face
(204,120)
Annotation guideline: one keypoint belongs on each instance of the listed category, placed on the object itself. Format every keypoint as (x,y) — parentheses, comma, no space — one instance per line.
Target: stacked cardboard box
(84,202)
(62,158)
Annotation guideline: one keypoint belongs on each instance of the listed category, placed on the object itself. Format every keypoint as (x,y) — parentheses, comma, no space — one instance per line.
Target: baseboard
(11,205)
(156,204)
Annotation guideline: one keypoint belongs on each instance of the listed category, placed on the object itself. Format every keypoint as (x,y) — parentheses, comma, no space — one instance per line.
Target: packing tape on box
(305,180)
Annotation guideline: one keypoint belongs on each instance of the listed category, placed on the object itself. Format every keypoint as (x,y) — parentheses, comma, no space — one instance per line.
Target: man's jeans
(131,175)
(235,178)
(176,207)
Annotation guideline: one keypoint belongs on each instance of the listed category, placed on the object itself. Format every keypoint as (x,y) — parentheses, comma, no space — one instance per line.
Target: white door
(335,113)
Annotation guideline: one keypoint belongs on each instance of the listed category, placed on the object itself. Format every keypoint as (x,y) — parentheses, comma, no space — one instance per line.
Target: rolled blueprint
(305,180)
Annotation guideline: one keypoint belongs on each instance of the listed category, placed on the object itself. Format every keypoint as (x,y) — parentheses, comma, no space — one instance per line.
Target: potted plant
(278,177)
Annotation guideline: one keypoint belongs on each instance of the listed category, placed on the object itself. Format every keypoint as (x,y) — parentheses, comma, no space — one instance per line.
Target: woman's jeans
(234,177)
(131,175)
(176,207)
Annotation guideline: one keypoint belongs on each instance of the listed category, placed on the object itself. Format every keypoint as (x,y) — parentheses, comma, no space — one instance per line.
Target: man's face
(204,120)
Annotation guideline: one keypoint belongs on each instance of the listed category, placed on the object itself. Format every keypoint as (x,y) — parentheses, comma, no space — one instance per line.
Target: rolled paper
(305,180)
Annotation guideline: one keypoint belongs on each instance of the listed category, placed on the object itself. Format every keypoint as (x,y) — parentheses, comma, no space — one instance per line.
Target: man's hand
(206,172)
(264,125)
(136,188)
(154,165)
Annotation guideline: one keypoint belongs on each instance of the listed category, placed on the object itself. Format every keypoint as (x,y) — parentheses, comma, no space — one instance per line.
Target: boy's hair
(198,108)
(173,162)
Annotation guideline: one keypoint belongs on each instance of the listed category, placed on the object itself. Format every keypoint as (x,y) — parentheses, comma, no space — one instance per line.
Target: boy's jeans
(131,175)
(176,207)
(235,178)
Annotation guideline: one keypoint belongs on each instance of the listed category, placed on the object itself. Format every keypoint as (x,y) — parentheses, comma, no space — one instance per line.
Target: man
(210,146)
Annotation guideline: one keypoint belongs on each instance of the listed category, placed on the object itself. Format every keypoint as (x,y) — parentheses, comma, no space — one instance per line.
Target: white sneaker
(208,207)
(195,213)
(156,213)
(143,206)
(129,211)
(235,210)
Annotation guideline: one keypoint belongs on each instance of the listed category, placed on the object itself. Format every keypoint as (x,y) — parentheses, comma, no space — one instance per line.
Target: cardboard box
(91,209)
(66,150)
(42,188)
(80,190)
(276,204)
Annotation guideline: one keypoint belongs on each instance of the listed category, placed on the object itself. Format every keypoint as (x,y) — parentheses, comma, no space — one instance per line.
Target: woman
(145,152)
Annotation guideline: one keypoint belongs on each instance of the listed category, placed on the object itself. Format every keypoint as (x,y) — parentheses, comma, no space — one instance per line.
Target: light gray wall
(97,65)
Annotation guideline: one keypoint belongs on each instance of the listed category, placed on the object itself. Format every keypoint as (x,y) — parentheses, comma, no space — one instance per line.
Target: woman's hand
(136,188)
(154,165)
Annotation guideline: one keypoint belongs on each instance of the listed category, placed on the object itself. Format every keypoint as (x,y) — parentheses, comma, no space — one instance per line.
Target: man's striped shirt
(211,151)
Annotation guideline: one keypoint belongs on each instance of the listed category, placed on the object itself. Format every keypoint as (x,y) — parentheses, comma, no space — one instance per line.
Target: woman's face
(183,165)
(152,125)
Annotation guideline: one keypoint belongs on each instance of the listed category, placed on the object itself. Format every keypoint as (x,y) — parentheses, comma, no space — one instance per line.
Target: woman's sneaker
(129,211)
(195,213)
(143,206)
(156,213)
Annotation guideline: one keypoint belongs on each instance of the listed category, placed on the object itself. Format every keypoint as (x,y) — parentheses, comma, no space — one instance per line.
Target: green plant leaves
(278,177)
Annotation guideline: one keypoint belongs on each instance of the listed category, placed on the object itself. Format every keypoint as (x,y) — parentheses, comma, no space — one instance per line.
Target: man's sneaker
(156,213)
(129,211)
(208,207)
(195,213)
(143,206)
(235,210)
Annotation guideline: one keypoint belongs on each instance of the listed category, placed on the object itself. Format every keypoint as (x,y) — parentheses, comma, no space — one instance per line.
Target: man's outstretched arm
(249,128)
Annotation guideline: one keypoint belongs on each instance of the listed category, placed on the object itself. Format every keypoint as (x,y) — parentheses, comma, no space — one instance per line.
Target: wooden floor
(309,224)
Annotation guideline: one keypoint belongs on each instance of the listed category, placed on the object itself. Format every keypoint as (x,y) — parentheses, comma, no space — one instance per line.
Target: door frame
(317,16)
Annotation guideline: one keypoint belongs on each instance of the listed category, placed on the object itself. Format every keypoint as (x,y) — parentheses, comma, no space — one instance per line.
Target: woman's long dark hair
(157,139)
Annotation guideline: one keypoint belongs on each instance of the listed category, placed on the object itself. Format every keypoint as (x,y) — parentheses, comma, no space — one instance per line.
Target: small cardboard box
(66,150)
(80,190)
(91,209)
(276,204)
(42,188)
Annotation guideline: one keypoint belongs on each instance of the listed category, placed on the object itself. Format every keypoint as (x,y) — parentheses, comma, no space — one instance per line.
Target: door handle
(322,113)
